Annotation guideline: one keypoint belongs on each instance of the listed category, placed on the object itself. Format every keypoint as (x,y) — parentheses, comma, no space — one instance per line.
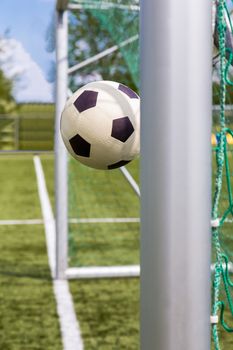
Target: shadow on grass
(25,270)
(25,274)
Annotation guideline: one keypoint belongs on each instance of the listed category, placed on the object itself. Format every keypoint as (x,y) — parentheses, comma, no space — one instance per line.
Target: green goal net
(103,207)
(222,209)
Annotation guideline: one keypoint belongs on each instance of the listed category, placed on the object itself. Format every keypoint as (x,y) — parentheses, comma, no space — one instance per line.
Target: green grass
(48,167)
(19,195)
(133,167)
(104,244)
(101,194)
(226,339)
(108,310)
(28,312)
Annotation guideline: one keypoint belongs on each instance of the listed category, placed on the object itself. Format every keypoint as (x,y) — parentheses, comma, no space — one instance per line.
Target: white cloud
(30,84)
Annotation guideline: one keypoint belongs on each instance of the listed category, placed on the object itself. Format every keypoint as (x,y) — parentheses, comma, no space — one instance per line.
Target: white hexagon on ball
(100,125)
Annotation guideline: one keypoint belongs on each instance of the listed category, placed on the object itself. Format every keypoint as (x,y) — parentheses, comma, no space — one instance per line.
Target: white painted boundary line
(46,213)
(81,221)
(72,221)
(22,222)
(131,180)
(103,220)
(71,336)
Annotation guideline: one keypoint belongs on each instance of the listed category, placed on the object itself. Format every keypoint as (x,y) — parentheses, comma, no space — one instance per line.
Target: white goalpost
(176,85)
(61,190)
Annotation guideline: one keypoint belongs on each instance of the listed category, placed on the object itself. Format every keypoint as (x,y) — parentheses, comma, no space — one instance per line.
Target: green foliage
(93,31)
(7,102)
(216,94)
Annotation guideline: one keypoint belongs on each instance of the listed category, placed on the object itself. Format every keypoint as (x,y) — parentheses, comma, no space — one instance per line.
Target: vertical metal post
(176,57)
(60,152)
(16,134)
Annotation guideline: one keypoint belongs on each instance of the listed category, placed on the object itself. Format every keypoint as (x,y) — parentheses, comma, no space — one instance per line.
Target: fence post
(17,119)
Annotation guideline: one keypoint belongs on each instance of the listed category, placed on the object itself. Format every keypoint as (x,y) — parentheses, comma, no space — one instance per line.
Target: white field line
(72,221)
(81,221)
(103,220)
(131,180)
(70,330)
(22,222)
(47,214)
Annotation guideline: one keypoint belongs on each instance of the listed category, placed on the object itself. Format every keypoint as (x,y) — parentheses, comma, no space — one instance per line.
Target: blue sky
(26,22)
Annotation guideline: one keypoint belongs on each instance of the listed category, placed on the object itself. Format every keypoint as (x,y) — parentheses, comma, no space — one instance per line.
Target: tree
(94,31)
(7,102)
(91,32)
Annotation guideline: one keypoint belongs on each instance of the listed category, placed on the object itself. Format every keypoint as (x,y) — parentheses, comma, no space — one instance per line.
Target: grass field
(102,194)
(108,310)
(27,308)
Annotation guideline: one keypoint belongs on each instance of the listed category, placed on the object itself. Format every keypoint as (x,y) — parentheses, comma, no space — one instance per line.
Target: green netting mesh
(123,27)
(222,209)
(102,25)
(97,26)
(108,29)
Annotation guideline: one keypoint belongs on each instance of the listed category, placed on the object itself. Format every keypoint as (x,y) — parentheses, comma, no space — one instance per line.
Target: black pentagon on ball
(86,100)
(118,164)
(80,146)
(127,91)
(122,129)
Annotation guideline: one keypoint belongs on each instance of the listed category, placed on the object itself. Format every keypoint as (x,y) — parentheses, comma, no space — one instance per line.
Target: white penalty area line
(22,222)
(103,220)
(71,221)
(70,330)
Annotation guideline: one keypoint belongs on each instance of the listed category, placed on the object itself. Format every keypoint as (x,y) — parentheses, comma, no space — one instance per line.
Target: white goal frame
(61,159)
(176,80)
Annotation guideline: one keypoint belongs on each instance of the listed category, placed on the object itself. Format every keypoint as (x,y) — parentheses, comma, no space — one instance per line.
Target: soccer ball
(100,125)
